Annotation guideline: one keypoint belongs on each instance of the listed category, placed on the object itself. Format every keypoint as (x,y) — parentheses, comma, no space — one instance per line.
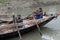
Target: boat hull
(15,34)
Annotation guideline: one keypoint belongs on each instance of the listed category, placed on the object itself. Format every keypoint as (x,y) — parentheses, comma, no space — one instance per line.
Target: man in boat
(45,14)
(41,12)
(19,19)
(37,14)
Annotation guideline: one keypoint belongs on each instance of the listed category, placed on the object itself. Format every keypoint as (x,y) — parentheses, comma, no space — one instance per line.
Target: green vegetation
(4,1)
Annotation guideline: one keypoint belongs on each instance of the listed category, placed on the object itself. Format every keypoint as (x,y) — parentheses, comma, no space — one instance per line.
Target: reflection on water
(51,31)
(47,37)
(54,24)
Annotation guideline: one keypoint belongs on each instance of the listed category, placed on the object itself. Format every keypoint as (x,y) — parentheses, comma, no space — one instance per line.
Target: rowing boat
(9,30)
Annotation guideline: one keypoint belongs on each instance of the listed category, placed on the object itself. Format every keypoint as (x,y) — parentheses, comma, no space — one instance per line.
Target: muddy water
(50,31)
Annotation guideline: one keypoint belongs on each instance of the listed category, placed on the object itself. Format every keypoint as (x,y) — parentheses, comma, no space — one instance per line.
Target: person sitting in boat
(41,12)
(35,17)
(45,14)
(19,19)
(16,19)
(37,14)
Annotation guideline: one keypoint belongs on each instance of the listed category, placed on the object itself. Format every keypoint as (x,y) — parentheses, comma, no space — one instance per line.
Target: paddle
(38,28)
(16,24)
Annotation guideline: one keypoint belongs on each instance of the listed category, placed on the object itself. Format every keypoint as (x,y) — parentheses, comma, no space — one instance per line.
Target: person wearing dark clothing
(37,14)
(19,19)
(41,12)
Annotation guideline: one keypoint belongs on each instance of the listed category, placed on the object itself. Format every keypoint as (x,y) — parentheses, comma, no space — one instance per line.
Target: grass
(4,1)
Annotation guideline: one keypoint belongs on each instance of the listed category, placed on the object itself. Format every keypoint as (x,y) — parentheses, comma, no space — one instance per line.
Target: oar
(38,28)
(17,27)
(37,25)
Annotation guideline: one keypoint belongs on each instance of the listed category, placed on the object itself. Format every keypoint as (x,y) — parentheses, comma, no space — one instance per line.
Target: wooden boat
(9,30)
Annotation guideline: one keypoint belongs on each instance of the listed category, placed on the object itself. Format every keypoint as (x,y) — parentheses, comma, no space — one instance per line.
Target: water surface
(50,31)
